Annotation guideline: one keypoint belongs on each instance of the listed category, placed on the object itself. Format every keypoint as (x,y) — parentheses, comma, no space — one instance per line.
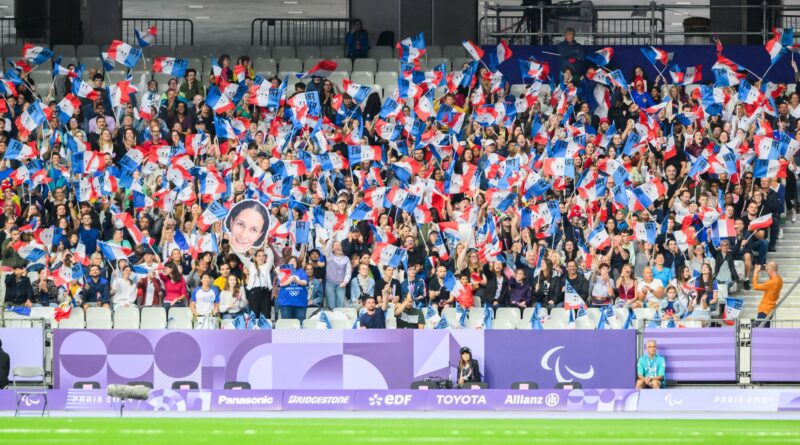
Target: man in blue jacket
(571,52)
(96,291)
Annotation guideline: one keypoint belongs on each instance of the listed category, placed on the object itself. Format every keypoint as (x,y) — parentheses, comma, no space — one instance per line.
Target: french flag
(126,221)
(218,101)
(170,65)
(534,69)
(213,213)
(646,231)
(762,222)
(411,48)
(503,52)
(124,54)
(60,70)
(572,300)
(84,90)
(474,50)
(424,106)
(322,69)
(113,252)
(601,57)
(769,168)
(29,251)
(724,77)
(723,228)
(774,47)
(146,39)
(654,55)
(598,238)
(18,151)
(359,93)
(36,54)
(84,162)
(386,254)
(67,107)
(691,75)
(500,199)
(31,118)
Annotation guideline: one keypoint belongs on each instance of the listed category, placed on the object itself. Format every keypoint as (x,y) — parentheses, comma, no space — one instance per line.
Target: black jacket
(489,293)
(5,368)
(19,292)
(718,260)
(474,375)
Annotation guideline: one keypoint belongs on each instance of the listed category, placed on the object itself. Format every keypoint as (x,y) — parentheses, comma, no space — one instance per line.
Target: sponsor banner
(697,355)
(595,359)
(773,355)
(246,400)
(408,400)
(444,400)
(25,347)
(716,399)
(317,400)
(340,359)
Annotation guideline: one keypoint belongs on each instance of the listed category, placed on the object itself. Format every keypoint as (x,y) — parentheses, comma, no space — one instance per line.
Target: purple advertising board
(340,359)
(697,355)
(773,355)
(25,347)
(595,359)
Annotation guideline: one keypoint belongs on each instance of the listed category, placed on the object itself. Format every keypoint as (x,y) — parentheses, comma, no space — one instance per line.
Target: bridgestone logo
(313,400)
(225,400)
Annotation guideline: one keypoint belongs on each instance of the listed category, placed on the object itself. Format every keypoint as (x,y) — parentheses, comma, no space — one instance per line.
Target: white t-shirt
(205,299)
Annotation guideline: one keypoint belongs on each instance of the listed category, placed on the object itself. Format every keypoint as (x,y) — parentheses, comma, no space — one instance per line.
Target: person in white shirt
(259,281)
(205,303)
(232,300)
(123,289)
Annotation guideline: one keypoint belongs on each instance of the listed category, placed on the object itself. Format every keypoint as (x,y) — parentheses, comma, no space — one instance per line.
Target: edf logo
(390,400)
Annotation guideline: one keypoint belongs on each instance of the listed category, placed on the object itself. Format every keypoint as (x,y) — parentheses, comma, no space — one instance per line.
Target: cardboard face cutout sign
(247,223)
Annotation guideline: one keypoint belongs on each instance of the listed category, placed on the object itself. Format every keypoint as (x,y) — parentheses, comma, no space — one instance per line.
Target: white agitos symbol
(557,368)
(672,402)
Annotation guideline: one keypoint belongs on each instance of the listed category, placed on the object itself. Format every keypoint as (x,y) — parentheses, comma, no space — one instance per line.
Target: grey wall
(102,21)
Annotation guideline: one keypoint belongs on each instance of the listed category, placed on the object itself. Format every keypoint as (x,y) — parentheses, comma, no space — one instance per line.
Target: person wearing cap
(468,369)
(354,244)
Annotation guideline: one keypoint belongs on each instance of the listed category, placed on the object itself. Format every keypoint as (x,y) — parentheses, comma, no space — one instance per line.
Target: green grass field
(223,431)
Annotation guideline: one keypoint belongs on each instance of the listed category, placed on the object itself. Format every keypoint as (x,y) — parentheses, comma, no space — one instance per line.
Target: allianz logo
(550,400)
(390,400)
(460,399)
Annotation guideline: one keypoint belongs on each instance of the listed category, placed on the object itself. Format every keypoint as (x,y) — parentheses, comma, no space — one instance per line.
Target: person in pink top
(174,287)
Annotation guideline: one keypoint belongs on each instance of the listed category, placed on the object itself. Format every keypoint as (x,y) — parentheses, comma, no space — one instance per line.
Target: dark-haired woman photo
(247,222)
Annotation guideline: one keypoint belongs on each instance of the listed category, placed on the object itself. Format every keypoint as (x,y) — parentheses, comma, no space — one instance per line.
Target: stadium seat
(90,62)
(474,323)
(265,65)
(644,313)
(337,77)
(295,65)
(66,50)
(504,323)
(235,51)
(451,315)
(341,324)
(126,318)
(331,52)
(292,79)
(553,323)
(386,79)
(71,323)
(343,64)
(237,385)
(507,313)
(70,60)
(453,51)
(153,317)
(458,63)
(85,50)
(287,323)
(310,323)
(310,63)
(584,323)
(378,89)
(370,65)
(476,313)
(197,64)
(14,51)
(307,52)
(86,385)
(439,61)
(527,313)
(349,312)
(524,385)
(185,384)
(160,51)
(568,385)
(560,314)
(98,313)
(433,51)
(389,65)
(380,52)
(184,51)
(594,314)
(523,324)
(362,77)
(283,52)
(179,318)
(621,313)
(518,89)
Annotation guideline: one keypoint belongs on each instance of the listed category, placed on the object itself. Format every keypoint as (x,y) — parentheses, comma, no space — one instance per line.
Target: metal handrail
(780,302)
(170,31)
(294,32)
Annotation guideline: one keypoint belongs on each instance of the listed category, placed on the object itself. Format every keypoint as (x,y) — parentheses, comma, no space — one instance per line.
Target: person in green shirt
(408,317)
(650,369)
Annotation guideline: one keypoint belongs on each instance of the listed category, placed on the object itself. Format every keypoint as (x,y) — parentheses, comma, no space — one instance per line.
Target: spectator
(232,300)
(205,303)
(671,307)
(175,294)
(123,289)
(356,41)
(468,369)
(408,316)
(373,317)
(602,287)
(293,293)
(571,52)
(337,275)
(519,292)
(259,282)
(650,369)
(772,291)
(19,290)
(5,367)
(149,290)
(96,291)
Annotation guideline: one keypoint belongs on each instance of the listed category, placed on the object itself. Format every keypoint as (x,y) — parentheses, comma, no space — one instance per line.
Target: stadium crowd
(590,187)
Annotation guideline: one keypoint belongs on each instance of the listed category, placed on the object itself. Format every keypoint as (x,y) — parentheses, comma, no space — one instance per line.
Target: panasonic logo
(225,400)
(314,400)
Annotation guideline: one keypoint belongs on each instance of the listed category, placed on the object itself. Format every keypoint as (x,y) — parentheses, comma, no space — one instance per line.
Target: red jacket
(141,291)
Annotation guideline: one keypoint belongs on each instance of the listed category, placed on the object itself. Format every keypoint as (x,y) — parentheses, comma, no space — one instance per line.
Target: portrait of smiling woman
(247,223)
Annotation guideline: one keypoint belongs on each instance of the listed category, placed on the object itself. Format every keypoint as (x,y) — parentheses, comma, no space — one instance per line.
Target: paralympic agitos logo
(557,367)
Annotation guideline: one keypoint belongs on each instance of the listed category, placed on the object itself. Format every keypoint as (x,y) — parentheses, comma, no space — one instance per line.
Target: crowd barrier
(626,57)
(373,359)
(585,400)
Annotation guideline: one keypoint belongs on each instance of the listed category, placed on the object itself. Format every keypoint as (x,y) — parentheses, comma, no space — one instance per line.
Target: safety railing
(298,32)
(170,31)
(602,24)
(8,31)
